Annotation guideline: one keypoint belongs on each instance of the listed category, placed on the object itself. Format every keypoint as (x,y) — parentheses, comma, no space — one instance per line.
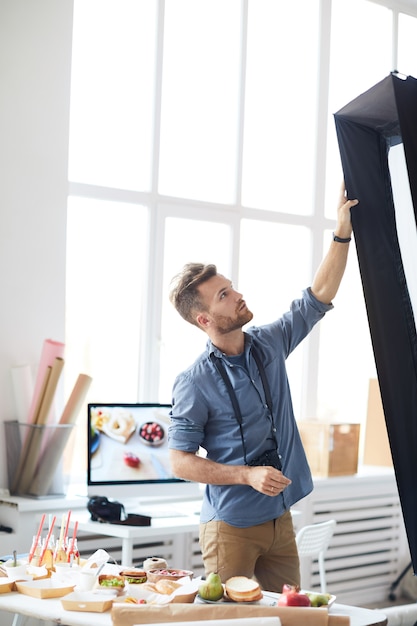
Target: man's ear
(203,321)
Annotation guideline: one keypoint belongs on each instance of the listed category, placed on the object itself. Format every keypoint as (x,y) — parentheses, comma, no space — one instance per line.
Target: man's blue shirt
(203,415)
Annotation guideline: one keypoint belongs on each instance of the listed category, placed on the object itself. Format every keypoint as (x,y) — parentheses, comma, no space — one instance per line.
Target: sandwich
(166,587)
(134,576)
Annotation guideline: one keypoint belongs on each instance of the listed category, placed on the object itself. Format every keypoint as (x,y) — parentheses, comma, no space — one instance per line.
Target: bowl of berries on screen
(151,433)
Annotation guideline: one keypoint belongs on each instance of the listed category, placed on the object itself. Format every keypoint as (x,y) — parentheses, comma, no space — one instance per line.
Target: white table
(187,522)
(50,610)
(128,534)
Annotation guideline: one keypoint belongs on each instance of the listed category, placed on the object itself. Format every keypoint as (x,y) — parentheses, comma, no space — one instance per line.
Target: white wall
(35,56)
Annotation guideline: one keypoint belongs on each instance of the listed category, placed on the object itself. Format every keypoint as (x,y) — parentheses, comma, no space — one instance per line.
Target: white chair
(313,541)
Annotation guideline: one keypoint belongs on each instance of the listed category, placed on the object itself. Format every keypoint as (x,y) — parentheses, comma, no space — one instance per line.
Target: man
(234,402)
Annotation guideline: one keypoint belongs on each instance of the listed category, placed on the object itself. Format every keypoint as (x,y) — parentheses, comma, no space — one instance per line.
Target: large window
(202,130)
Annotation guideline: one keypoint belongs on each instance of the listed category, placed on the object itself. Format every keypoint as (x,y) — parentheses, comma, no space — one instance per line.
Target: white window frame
(160,207)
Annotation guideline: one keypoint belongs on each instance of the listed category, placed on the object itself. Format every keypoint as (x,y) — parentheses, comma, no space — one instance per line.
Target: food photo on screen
(128,442)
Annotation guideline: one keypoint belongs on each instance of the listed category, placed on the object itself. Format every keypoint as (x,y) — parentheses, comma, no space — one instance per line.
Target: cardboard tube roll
(28,435)
(76,399)
(53,452)
(42,416)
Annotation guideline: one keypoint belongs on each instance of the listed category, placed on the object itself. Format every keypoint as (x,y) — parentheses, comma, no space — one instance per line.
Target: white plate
(269,598)
(328,605)
(330,602)
(264,600)
(200,599)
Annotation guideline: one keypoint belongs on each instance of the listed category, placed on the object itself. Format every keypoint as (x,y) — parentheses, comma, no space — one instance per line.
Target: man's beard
(225,325)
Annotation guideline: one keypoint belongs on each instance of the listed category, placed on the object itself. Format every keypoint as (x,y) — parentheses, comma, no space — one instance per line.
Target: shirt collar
(212,349)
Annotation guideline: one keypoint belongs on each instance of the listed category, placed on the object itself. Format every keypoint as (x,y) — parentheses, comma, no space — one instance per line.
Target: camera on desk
(5,529)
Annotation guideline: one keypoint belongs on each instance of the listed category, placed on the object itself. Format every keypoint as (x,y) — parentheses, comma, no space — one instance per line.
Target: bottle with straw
(35,550)
(46,557)
(36,544)
(60,555)
(73,552)
(48,550)
(73,555)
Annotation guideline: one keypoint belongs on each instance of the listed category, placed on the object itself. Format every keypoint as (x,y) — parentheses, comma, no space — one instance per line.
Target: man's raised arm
(329,275)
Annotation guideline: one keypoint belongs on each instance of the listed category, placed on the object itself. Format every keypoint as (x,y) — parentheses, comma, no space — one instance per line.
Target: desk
(160,526)
(188,522)
(50,610)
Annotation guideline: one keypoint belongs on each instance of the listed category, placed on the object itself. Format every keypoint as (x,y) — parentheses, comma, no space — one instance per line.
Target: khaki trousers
(267,552)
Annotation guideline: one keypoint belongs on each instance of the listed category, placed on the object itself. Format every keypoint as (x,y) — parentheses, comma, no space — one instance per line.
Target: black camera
(269,457)
(103,510)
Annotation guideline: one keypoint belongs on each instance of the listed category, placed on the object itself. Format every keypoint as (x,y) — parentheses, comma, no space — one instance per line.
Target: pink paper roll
(50,351)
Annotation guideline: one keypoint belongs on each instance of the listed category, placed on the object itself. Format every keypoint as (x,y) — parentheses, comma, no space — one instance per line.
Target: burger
(134,576)
(111,581)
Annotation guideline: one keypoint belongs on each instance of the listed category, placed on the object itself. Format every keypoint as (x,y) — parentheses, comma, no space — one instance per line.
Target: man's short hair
(184,293)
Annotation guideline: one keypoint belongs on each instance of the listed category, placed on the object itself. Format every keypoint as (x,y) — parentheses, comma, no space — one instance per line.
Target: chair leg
(322,572)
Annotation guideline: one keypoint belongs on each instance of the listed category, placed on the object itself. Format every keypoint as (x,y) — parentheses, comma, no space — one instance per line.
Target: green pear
(319,599)
(211,588)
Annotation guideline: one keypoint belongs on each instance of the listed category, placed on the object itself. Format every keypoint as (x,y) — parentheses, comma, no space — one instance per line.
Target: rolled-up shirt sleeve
(188,419)
(322,307)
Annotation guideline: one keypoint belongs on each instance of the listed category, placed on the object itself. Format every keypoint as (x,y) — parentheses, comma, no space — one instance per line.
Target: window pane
(407,37)
(351,71)
(346,361)
(112,93)
(274,268)
(200,99)
(106,248)
(187,241)
(279,134)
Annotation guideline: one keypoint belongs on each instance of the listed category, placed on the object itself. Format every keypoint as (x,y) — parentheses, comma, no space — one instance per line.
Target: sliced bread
(243,589)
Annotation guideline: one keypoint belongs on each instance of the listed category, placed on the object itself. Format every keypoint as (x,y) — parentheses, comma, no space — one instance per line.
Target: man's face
(226,309)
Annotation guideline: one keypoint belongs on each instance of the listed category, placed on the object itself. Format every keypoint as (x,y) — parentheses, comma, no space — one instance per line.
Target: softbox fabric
(368,128)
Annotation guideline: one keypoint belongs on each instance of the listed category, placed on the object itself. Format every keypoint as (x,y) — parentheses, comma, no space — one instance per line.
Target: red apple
(292,596)
(131,460)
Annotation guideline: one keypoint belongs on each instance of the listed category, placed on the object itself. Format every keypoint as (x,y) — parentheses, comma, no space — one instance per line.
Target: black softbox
(380,123)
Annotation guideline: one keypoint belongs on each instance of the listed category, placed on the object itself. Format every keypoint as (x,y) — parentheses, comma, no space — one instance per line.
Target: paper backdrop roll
(31,451)
(23,389)
(50,351)
(51,456)
(124,614)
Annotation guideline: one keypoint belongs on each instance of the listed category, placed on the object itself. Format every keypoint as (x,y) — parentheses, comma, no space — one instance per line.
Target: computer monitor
(128,454)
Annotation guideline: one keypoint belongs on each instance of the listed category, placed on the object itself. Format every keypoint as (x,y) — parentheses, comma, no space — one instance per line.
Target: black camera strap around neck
(264,379)
(267,391)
